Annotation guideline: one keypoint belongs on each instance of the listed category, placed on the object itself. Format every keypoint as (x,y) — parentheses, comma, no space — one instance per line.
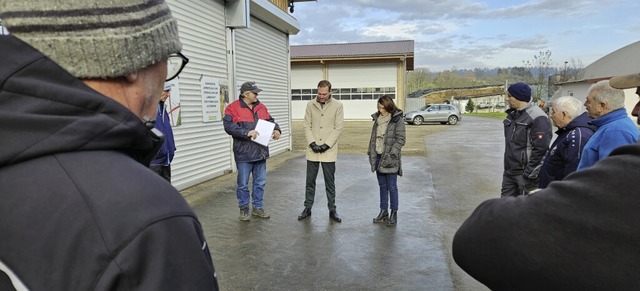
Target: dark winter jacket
(527,135)
(238,120)
(563,156)
(581,233)
(80,209)
(394,139)
(168,148)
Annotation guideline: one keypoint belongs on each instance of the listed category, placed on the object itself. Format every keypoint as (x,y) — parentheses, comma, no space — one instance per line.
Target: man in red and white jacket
(240,119)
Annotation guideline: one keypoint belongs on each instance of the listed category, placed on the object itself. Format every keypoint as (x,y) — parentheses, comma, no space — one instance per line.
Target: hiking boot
(260,213)
(382,216)
(393,218)
(244,213)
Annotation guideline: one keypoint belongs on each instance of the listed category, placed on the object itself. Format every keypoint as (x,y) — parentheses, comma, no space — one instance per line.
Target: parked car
(443,113)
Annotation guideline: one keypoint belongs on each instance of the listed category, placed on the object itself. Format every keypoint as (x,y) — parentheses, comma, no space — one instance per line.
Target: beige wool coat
(323,124)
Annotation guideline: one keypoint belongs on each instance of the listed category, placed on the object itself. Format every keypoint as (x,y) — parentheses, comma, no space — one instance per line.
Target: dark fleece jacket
(581,233)
(80,209)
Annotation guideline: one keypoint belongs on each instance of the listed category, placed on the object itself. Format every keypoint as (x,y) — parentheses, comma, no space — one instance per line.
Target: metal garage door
(262,56)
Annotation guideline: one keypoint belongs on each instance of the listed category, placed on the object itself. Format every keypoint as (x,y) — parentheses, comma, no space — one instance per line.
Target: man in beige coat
(323,120)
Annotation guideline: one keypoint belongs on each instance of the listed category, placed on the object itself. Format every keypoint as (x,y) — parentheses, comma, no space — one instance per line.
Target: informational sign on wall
(211,105)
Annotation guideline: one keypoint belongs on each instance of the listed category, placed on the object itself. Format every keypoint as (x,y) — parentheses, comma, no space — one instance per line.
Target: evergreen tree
(470,106)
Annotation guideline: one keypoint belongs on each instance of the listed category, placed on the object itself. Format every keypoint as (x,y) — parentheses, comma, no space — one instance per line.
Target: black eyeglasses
(175,64)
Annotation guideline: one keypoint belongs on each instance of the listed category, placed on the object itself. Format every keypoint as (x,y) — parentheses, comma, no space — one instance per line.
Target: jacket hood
(44,110)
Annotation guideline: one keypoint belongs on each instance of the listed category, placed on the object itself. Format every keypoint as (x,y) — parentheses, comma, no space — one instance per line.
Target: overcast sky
(476,34)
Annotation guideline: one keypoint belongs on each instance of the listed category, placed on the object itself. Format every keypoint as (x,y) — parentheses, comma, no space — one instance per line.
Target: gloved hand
(314,147)
(530,185)
(324,147)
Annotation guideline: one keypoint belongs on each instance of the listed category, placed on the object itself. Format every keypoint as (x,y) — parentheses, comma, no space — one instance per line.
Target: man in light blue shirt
(606,105)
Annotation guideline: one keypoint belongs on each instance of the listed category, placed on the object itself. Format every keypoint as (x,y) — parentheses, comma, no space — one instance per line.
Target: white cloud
(474,33)
(397,30)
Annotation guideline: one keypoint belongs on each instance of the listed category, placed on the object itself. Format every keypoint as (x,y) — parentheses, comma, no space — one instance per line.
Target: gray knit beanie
(95,38)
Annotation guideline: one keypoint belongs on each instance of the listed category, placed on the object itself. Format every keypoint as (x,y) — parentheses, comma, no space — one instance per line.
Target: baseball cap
(250,86)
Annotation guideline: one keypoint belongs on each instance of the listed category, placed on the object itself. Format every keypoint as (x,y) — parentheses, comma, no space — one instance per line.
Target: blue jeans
(259,172)
(388,188)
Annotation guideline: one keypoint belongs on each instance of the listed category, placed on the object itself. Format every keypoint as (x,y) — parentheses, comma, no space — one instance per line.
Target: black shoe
(382,217)
(393,218)
(334,215)
(305,213)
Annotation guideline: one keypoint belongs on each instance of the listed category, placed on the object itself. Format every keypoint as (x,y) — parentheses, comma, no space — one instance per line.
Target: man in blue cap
(527,132)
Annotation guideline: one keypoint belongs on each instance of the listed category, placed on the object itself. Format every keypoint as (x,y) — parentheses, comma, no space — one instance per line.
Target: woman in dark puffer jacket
(387,138)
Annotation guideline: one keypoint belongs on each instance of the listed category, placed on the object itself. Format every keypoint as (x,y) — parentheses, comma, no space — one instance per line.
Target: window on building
(360,93)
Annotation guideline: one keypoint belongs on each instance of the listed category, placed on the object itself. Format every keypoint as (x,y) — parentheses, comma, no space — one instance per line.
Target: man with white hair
(628,82)
(605,105)
(568,115)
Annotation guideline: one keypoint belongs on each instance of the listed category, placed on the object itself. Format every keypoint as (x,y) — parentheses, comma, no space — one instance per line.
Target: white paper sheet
(265,128)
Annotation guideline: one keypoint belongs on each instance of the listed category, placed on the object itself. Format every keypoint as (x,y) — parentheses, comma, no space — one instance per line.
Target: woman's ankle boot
(393,218)
(383,216)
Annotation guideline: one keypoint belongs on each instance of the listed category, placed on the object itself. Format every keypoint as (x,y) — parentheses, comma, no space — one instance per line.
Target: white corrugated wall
(261,57)
(204,149)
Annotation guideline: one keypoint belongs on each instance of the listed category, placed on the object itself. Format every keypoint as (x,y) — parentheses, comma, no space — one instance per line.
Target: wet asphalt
(462,168)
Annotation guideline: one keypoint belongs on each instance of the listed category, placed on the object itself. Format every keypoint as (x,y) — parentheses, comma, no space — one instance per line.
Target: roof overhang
(274,16)
(355,60)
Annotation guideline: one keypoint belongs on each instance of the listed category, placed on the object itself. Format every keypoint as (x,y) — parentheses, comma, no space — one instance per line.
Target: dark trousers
(163,170)
(512,185)
(328,171)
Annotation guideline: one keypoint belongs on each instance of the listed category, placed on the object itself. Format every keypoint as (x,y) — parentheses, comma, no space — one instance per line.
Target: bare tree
(540,69)
(573,70)
(419,79)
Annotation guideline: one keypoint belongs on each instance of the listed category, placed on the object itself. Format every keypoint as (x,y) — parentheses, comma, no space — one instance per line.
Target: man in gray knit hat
(80,82)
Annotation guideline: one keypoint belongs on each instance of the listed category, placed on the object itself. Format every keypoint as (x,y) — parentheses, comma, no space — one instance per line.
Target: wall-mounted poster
(211,105)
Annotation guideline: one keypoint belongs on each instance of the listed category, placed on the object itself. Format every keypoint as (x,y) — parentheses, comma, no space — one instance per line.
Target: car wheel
(418,120)
(452,120)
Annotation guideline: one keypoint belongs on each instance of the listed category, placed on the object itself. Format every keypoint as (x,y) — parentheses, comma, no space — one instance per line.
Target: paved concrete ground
(437,192)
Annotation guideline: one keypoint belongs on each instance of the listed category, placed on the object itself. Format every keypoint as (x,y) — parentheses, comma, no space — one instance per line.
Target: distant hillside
(435,96)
